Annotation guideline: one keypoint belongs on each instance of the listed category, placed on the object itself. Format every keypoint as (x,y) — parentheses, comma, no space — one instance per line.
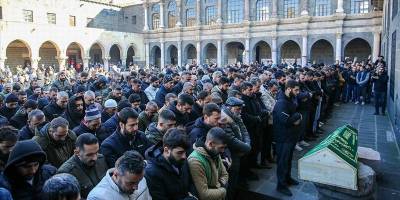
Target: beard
(176,163)
(128,192)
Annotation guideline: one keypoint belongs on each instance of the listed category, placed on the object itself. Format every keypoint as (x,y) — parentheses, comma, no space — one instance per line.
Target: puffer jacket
(153,134)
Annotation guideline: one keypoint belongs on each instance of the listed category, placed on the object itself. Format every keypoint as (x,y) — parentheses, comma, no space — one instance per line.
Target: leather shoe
(292,182)
(284,190)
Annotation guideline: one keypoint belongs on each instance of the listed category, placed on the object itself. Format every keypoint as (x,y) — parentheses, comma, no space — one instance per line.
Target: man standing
(124,182)
(57,141)
(182,108)
(286,134)
(75,111)
(126,137)
(148,116)
(167,173)
(380,80)
(210,119)
(208,172)
(91,123)
(156,131)
(11,106)
(165,88)
(151,91)
(36,121)
(25,172)
(87,165)
(57,108)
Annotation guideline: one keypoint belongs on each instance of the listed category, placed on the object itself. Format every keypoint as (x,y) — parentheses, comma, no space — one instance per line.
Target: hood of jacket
(27,150)
(152,133)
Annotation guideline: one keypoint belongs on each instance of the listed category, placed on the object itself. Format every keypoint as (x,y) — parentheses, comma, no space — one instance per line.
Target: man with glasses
(148,116)
(87,165)
(125,181)
(57,141)
(156,130)
(25,172)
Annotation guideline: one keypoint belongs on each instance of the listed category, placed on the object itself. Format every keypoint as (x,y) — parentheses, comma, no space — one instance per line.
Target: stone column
(147,53)
(162,20)
(377,44)
(247,51)
(86,62)
(274,53)
(162,47)
(340,6)
(2,62)
(198,13)
(304,51)
(61,63)
(106,61)
(338,47)
(198,53)
(146,16)
(219,53)
(178,13)
(304,10)
(219,12)
(35,62)
(179,53)
(123,61)
(274,9)
(246,10)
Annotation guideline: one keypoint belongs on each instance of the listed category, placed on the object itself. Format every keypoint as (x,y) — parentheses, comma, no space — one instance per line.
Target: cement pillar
(340,6)
(147,53)
(162,47)
(198,13)
(2,62)
(274,9)
(198,51)
(376,48)
(162,18)
(219,12)
(219,53)
(304,51)
(61,63)
(246,10)
(106,65)
(35,62)
(274,51)
(123,61)
(247,51)
(179,53)
(146,17)
(338,47)
(304,10)
(86,62)
(178,13)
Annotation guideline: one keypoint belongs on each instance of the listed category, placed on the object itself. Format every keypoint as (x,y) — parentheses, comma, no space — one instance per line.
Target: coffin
(333,161)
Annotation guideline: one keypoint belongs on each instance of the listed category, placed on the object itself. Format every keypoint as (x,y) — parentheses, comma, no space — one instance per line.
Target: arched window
(263,10)
(171,14)
(210,12)
(155,16)
(359,6)
(322,7)
(235,11)
(290,8)
(190,12)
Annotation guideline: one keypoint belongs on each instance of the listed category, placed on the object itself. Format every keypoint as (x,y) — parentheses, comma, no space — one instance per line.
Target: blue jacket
(362,78)
(200,130)
(25,133)
(160,96)
(111,124)
(284,116)
(100,133)
(165,181)
(116,144)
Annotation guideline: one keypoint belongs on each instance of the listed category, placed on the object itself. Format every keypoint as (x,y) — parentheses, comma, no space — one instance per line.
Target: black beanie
(11,98)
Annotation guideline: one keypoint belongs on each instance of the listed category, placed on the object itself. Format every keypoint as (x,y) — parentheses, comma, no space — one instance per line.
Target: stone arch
(190,53)
(290,52)
(234,52)
(359,48)
(49,53)
(262,52)
(18,54)
(155,54)
(172,55)
(116,54)
(96,53)
(322,51)
(75,55)
(210,53)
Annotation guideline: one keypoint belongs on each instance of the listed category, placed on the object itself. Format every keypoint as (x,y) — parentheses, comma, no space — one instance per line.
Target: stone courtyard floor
(375,132)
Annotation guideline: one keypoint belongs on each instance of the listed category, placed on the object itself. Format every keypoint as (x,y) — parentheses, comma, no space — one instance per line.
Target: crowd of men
(180,133)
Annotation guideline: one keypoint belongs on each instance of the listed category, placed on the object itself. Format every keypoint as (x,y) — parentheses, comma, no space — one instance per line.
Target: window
(133,19)
(51,18)
(89,21)
(359,6)
(1,12)
(263,10)
(395,7)
(155,16)
(72,21)
(377,5)
(322,7)
(211,15)
(28,15)
(235,11)
(290,8)
(190,13)
(172,14)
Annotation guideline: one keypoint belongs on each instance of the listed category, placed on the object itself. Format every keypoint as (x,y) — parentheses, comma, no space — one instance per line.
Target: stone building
(391,49)
(65,32)
(227,31)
